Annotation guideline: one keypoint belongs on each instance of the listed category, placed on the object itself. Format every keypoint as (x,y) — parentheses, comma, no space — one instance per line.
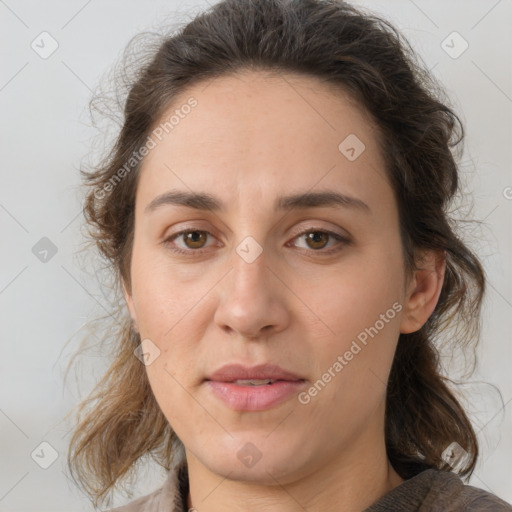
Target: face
(267,275)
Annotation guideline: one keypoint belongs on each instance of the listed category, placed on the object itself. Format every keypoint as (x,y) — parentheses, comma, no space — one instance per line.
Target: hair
(365,56)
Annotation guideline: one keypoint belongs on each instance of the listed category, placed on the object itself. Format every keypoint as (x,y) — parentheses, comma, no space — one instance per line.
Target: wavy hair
(418,132)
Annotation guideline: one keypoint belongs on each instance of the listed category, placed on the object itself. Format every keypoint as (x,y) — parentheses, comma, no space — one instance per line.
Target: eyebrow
(205,201)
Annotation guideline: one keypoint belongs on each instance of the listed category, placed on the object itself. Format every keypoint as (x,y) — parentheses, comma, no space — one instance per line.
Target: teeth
(253,382)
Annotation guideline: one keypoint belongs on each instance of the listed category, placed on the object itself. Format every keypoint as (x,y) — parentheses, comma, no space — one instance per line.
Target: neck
(349,482)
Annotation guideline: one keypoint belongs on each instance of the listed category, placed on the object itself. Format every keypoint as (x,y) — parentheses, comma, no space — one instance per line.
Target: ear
(423,290)
(131,307)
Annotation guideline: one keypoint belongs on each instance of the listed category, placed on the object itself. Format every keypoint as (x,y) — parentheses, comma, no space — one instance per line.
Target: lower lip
(255,398)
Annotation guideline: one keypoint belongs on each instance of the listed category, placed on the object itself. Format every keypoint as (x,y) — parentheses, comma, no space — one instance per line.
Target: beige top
(431,490)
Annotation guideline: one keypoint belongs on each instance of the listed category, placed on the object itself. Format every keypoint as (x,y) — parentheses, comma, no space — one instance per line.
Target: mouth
(254,382)
(264,374)
(254,389)
(254,397)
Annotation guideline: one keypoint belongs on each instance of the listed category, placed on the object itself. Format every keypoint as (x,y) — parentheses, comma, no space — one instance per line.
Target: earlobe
(424,291)
(131,307)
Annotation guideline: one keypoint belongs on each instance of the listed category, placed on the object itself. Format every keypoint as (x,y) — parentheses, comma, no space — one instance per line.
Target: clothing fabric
(431,490)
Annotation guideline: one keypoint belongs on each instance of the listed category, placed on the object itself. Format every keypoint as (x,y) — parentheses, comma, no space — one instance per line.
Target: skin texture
(253,137)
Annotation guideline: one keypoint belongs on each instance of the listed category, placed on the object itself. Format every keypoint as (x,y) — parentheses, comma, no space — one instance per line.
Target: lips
(254,389)
(236,372)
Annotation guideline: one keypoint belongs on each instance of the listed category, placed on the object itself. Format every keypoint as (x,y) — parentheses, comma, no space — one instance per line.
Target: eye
(317,239)
(194,240)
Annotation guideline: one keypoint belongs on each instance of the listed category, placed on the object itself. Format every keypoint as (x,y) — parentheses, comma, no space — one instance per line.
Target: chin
(263,473)
(257,460)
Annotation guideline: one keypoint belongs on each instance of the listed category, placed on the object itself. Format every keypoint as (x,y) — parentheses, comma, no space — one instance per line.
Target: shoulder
(451,494)
(475,499)
(169,497)
(434,490)
(448,493)
(148,503)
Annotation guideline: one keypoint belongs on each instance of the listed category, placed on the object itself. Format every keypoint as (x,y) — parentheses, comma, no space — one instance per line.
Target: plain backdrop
(46,296)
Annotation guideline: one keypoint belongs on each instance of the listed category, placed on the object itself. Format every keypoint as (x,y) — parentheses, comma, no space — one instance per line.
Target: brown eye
(321,242)
(317,239)
(188,241)
(194,239)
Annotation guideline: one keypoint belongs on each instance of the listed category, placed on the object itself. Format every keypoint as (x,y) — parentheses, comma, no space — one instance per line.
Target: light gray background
(45,135)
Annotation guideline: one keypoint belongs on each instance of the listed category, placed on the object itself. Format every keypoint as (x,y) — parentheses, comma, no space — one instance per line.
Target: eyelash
(332,234)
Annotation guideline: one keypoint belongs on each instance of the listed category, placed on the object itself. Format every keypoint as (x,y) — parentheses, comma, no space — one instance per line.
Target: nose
(252,301)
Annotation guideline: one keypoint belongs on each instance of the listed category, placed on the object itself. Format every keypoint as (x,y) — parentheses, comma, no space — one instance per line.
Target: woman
(275,211)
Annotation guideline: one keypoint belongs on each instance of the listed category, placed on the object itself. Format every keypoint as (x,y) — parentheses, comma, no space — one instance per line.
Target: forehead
(264,134)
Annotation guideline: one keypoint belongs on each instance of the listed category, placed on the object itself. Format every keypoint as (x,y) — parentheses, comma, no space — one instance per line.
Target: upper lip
(232,372)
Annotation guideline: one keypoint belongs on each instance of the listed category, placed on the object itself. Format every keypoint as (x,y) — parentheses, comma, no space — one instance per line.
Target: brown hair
(365,56)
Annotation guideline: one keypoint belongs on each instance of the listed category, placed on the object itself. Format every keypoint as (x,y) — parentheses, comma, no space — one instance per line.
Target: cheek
(174,309)
(163,294)
(351,296)
(359,305)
